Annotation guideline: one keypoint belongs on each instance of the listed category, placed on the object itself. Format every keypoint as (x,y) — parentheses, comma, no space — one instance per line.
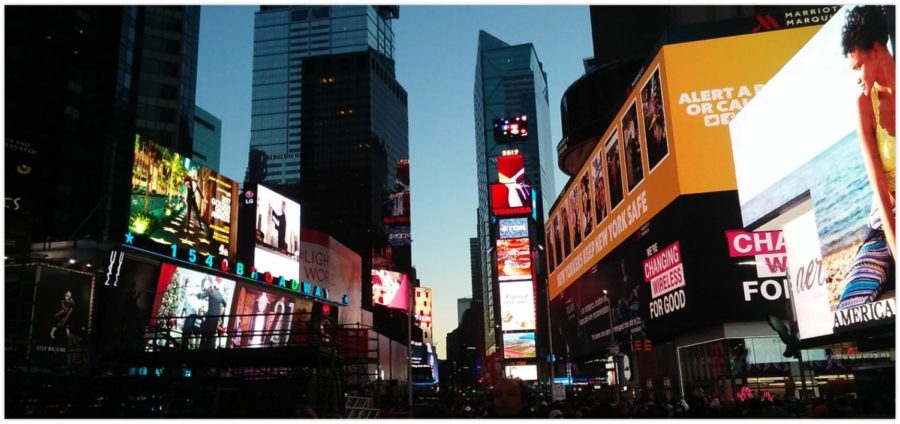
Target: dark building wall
(78,78)
(353,124)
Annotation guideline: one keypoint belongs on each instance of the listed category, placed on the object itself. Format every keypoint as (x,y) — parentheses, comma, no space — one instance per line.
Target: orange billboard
(669,138)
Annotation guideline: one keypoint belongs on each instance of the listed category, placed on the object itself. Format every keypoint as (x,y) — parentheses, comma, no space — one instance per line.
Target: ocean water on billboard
(839,188)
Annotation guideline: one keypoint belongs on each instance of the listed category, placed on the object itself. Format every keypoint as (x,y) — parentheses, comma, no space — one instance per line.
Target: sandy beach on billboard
(835,266)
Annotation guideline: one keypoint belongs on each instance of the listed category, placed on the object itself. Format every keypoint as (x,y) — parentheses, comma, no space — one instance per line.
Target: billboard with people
(191,308)
(670,138)
(269,318)
(822,168)
(179,208)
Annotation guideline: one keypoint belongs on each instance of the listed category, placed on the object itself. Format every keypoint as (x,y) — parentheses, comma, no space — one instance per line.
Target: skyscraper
(284,37)
(329,119)
(510,95)
(207,138)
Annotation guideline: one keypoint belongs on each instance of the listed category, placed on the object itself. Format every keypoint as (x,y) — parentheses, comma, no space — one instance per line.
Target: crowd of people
(511,398)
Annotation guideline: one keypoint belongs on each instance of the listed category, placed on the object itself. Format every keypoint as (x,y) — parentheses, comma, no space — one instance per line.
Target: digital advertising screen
(634,166)
(832,150)
(583,201)
(522,372)
(575,215)
(511,169)
(327,263)
(179,207)
(517,306)
(512,128)
(510,199)
(513,228)
(62,312)
(269,318)
(654,111)
(513,259)
(397,209)
(277,223)
(277,264)
(614,170)
(519,345)
(682,111)
(390,289)
(399,235)
(193,307)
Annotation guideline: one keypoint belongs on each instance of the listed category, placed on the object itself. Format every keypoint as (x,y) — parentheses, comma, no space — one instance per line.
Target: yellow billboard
(669,138)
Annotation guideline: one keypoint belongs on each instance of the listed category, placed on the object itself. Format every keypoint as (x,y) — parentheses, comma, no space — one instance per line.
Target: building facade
(207,138)
(424,304)
(462,305)
(284,37)
(512,122)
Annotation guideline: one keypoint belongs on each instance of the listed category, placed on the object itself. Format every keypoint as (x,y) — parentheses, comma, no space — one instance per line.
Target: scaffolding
(155,370)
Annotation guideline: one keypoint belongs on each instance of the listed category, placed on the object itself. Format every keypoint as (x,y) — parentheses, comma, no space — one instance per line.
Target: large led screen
(276,264)
(513,228)
(397,210)
(519,345)
(277,223)
(634,167)
(192,308)
(510,199)
(390,289)
(522,372)
(828,142)
(513,259)
(178,206)
(62,312)
(517,306)
(269,318)
(512,128)
(327,263)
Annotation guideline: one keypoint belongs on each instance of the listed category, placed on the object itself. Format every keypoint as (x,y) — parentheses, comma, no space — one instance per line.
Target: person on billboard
(214,309)
(66,306)
(586,221)
(280,221)
(192,190)
(864,41)
(191,323)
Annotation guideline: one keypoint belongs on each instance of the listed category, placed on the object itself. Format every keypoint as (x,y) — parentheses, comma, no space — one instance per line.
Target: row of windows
(270,33)
(270,62)
(269,106)
(271,18)
(270,76)
(264,122)
(269,91)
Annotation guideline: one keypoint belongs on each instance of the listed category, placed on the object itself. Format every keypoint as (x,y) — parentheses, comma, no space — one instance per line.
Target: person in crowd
(511,399)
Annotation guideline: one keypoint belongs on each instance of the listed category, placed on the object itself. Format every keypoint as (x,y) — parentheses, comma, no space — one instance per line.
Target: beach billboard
(804,162)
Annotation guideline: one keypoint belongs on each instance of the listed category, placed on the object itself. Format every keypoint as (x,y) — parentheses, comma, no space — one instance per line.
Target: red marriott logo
(765,23)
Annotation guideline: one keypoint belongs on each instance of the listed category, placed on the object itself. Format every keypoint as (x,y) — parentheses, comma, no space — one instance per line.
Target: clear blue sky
(435,57)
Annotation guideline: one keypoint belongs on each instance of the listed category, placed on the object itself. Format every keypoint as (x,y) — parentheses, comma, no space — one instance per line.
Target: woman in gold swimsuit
(864,40)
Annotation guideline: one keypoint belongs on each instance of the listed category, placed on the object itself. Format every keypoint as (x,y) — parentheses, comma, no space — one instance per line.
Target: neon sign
(191,256)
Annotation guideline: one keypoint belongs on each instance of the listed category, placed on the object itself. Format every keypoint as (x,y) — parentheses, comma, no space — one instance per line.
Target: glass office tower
(286,35)
(509,81)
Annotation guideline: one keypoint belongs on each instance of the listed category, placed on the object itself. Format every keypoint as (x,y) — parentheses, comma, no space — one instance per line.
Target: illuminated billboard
(390,289)
(269,318)
(517,306)
(192,308)
(327,263)
(512,128)
(510,199)
(513,228)
(513,259)
(519,345)
(824,178)
(678,112)
(277,223)
(276,264)
(511,169)
(62,310)
(399,235)
(397,210)
(179,208)
(634,166)
(522,372)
